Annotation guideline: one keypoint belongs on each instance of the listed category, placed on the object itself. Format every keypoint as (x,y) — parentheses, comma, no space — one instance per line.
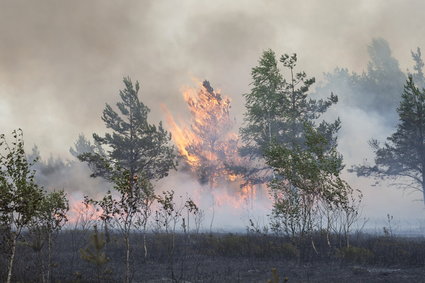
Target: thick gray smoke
(377,90)
(72,176)
(367,108)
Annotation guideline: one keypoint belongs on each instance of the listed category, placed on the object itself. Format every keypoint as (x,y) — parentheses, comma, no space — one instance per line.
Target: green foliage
(276,111)
(95,254)
(50,218)
(263,106)
(167,216)
(403,155)
(170,212)
(52,212)
(313,168)
(418,75)
(134,144)
(134,154)
(135,195)
(20,196)
(282,129)
(130,209)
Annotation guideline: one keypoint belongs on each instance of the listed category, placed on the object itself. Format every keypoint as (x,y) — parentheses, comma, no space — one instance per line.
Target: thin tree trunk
(49,255)
(213,208)
(422,154)
(145,247)
(127,258)
(41,266)
(212,217)
(172,254)
(423,185)
(11,259)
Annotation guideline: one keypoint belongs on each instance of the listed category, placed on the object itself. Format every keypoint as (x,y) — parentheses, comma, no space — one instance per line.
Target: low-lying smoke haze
(61,61)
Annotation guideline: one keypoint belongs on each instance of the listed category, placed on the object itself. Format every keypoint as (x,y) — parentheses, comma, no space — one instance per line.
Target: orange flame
(209,143)
(181,137)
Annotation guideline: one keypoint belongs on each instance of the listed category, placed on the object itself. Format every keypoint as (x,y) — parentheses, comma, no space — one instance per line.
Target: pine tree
(134,144)
(403,154)
(95,254)
(276,111)
(262,119)
(212,127)
(418,75)
(283,133)
(135,153)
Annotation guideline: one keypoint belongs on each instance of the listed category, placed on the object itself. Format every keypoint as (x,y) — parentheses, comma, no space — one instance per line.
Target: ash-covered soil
(228,258)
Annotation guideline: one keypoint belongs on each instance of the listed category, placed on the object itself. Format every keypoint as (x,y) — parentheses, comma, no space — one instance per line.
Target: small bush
(355,254)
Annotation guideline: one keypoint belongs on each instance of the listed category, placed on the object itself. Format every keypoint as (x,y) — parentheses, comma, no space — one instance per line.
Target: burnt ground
(240,270)
(230,258)
(234,270)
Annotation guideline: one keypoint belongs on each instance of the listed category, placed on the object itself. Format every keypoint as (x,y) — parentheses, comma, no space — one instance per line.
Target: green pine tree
(296,150)
(135,153)
(95,254)
(402,156)
(134,144)
(262,119)
(276,112)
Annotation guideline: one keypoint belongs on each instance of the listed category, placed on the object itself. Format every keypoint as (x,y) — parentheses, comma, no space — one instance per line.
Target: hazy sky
(61,61)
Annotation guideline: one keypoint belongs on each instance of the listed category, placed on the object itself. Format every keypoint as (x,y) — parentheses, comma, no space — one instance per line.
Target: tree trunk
(127,258)
(213,209)
(41,266)
(423,185)
(11,259)
(423,177)
(212,217)
(49,255)
(145,247)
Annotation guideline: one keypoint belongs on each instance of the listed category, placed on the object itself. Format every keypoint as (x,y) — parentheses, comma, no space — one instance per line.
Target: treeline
(284,143)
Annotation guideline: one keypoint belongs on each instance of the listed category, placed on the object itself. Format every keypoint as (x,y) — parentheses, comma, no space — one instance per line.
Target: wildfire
(81,213)
(209,144)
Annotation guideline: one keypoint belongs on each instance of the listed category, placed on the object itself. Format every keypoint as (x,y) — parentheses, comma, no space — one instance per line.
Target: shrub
(355,254)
